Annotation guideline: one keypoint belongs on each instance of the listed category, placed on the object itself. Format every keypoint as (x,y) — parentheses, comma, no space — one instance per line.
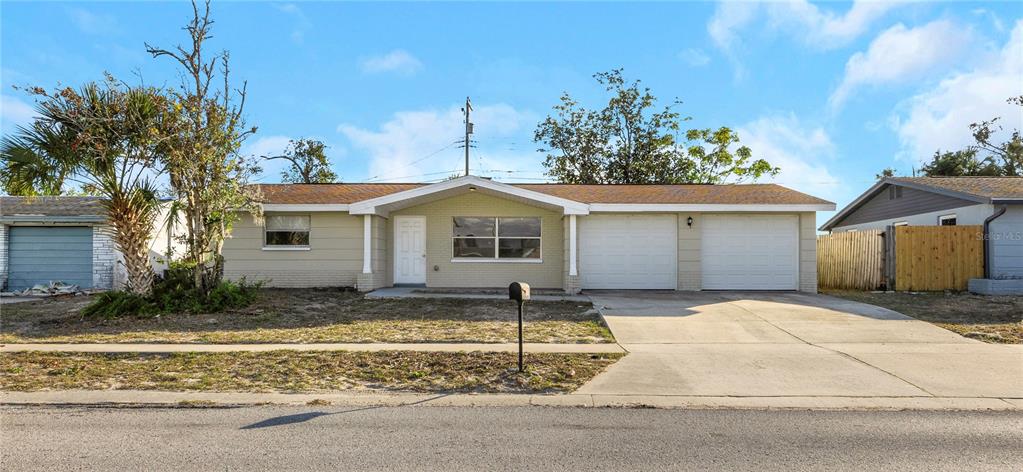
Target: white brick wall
(107,271)
(3,256)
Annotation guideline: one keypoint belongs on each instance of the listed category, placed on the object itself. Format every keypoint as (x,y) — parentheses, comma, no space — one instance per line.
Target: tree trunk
(133,242)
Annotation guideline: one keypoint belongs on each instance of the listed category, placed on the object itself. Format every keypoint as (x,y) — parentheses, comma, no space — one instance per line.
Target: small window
(496,238)
(947,220)
(894,191)
(287,230)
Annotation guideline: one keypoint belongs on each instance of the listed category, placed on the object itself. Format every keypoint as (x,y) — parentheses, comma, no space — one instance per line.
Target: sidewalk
(436,347)
(154,398)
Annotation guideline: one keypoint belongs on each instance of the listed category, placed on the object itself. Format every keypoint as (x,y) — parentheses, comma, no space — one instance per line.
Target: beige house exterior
(551,236)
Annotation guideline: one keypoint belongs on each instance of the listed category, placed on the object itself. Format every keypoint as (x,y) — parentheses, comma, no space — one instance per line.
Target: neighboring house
(474,232)
(67,239)
(934,201)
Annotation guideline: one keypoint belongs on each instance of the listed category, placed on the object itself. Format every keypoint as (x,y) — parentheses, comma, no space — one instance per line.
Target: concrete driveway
(791,344)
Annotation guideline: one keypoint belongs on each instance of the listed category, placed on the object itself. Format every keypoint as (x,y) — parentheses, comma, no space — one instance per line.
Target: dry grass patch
(311,316)
(993,319)
(294,371)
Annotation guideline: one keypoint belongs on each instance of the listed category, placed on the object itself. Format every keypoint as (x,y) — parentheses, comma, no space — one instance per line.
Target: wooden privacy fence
(938,257)
(906,258)
(853,260)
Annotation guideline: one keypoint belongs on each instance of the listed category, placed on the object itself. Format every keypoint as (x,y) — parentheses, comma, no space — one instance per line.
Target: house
(474,232)
(932,201)
(67,239)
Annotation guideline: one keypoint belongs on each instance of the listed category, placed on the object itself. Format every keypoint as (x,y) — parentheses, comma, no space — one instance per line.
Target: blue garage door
(39,254)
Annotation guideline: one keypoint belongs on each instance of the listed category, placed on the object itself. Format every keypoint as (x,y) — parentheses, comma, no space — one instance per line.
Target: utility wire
(421,159)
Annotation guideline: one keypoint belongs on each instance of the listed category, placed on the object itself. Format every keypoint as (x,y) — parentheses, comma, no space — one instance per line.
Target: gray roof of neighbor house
(682,194)
(52,208)
(976,189)
(995,188)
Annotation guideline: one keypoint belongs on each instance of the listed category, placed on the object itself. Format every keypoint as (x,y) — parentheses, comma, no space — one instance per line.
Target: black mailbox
(518,291)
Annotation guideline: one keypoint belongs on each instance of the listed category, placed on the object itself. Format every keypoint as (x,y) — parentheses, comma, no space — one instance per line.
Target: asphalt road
(435,438)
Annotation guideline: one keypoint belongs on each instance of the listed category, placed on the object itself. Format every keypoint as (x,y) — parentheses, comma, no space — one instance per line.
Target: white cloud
(422,145)
(397,61)
(939,118)
(900,54)
(694,57)
(267,146)
(14,112)
(802,152)
(92,23)
(807,22)
(301,21)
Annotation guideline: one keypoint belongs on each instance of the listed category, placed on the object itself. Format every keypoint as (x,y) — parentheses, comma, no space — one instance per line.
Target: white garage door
(628,251)
(750,252)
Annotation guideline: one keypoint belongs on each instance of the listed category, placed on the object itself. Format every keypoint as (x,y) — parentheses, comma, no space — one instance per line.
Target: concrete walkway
(417,292)
(442,347)
(709,344)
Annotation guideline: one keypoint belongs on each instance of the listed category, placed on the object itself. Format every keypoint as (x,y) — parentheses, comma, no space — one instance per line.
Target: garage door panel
(40,254)
(750,252)
(628,251)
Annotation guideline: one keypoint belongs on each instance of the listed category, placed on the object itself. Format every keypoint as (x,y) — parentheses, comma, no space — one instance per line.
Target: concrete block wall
(439,214)
(572,284)
(808,252)
(689,243)
(333,259)
(106,259)
(381,276)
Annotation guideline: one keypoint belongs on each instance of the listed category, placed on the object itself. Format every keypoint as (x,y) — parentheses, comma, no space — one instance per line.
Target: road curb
(205,399)
(591,348)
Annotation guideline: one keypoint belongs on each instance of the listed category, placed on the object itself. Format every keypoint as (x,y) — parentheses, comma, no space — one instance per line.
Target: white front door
(628,251)
(750,252)
(410,249)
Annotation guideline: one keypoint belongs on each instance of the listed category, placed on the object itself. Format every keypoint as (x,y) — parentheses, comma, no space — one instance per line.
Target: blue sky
(831,92)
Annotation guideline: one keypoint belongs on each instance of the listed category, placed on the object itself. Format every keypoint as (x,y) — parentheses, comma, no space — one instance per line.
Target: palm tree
(107,138)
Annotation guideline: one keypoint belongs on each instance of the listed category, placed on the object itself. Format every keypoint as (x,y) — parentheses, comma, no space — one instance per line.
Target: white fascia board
(364,207)
(306,207)
(708,207)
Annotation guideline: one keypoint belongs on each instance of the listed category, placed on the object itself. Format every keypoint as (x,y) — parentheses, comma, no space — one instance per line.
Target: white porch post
(572,269)
(367,240)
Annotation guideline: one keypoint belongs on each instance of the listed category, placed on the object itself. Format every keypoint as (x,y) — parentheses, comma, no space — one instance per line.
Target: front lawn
(311,316)
(298,371)
(986,318)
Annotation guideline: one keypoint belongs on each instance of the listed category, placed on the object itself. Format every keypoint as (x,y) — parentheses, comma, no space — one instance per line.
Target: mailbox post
(519,291)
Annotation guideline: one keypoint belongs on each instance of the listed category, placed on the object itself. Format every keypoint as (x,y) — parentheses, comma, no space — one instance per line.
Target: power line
(421,159)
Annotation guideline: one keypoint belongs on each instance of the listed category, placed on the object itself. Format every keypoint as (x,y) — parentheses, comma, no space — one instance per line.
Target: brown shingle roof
(691,194)
(328,193)
(988,187)
(51,206)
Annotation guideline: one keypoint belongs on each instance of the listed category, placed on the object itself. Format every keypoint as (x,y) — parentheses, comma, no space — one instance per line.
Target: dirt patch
(993,319)
(294,371)
(312,316)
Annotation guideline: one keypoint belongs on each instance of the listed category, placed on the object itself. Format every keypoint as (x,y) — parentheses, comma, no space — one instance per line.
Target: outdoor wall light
(472,188)
(689,221)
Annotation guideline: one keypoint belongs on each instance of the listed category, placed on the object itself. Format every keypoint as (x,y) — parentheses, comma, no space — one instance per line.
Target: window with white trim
(947,220)
(286,231)
(504,238)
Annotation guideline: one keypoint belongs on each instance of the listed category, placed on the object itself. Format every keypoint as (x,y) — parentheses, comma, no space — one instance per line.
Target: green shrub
(174,294)
(117,304)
